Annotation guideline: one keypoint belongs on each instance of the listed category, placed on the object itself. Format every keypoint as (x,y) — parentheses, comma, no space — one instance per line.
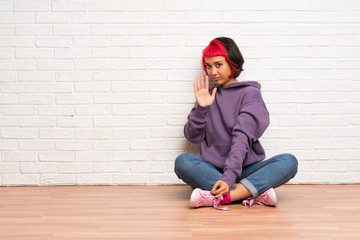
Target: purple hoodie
(229,130)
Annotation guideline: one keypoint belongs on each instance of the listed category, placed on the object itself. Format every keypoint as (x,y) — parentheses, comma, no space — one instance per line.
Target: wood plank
(162,212)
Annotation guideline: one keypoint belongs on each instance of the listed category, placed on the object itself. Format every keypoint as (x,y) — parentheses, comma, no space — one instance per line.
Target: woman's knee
(182,163)
(291,162)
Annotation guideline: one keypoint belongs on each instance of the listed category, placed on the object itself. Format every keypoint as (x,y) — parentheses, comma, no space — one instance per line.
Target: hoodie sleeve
(251,123)
(194,129)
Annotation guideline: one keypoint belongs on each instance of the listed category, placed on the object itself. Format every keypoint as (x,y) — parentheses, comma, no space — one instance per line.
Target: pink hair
(214,49)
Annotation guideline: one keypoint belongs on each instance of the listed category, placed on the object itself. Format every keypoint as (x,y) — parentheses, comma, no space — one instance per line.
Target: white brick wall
(97,91)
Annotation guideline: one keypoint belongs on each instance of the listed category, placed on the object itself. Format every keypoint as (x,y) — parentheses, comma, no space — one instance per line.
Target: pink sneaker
(267,198)
(202,198)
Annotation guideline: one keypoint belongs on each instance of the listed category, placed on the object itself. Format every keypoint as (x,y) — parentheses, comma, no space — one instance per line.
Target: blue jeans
(257,178)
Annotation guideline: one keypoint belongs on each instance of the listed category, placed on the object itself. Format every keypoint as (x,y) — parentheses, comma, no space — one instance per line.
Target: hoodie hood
(240,85)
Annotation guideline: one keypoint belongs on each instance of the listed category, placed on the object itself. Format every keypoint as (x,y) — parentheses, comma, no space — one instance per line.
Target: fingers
(198,84)
(206,82)
(214,92)
(202,81)
(220,187)
(215,187)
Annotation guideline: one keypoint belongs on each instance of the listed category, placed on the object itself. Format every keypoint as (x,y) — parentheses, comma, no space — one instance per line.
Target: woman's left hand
(220,187)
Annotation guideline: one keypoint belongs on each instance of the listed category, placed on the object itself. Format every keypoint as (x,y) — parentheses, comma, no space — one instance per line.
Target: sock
(226,199)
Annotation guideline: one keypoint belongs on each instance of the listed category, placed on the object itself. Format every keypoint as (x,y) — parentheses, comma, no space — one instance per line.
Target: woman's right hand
(202,95)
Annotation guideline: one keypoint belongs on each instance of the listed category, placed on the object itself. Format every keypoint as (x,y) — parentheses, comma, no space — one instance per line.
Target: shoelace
(217,205)
(251,201)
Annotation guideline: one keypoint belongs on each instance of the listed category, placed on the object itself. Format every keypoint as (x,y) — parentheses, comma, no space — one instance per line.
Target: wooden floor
(162,212)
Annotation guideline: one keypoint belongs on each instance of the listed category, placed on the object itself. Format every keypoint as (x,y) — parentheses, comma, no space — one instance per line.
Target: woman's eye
(218,65)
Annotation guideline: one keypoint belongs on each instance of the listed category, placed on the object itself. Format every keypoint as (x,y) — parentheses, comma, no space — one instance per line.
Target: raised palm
(202,94)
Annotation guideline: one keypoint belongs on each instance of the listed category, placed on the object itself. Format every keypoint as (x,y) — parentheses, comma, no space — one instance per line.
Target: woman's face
(219,70)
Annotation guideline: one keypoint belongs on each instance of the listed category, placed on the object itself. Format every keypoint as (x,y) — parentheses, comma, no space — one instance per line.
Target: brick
(9,168)
(148,167)
(186,5)
(108,75)
(56,110)
(71,121)
(112,145)
(109,17)
(8,99)
(129,65)
(108,30)
(147,144)
(7,53)
(73,76)
(57,157)
(16,17)
(19,133)
(38,168)
(53,42)
(91,41)
(94,179)
(161,179)
(112,98)
(53,17)
(52,133)
(72,53)
(99,109)
(71,30)
(69,6)
(140,121)
(148,30)
(92,64)
(7,76)
(155,75)
(19,156)
(111,121)
(33,30)
(79,98)
(106,5)
(93,134)
(20,180)
(131,155)
(144,5)
(56,65)
(130,86)
(92,156)
(146,98)
(37,145)
(127,133)
(131,179)
(9,145)
(128,41)
(7,122)
(18,88)
(36,99)
(17,65)
(55,87)
(133,109)
(75,167)
(6,6)
(110,53)
(52,179)
(65,145)
(116,167)
(147,52)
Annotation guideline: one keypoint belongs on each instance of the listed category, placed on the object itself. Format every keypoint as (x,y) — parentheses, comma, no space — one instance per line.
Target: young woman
(228,121)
